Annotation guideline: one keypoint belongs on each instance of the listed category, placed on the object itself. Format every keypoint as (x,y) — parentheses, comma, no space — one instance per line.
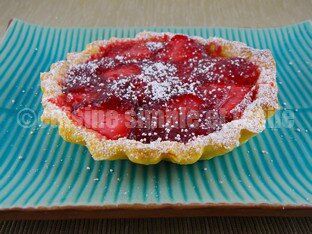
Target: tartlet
(101,97)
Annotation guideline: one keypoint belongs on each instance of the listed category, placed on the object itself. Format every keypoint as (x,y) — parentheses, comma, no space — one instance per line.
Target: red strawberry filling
(120,71)
(109,123)
(158,89)
(181,48)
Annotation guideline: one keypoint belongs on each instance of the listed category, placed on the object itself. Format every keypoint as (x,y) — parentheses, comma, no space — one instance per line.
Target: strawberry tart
(161,96)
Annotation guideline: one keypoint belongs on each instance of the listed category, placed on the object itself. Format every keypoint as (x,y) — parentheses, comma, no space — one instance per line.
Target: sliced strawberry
(128,50)
(109,123)
(123,70)
(133,49)
(84,116)
(206,70)
(239,70)
(74,99)
(181,109)
(115,125)
(138,51)
(213,95)
(223,97)
(181,48)
(235,97)
(188,101)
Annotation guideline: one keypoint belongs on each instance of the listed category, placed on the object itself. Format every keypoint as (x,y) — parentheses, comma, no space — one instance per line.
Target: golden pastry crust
(231,135)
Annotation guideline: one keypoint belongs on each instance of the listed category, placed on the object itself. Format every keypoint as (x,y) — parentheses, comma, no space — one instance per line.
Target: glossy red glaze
(192,87)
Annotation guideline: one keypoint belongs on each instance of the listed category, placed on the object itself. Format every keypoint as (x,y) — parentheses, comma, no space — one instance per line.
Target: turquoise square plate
(42,176)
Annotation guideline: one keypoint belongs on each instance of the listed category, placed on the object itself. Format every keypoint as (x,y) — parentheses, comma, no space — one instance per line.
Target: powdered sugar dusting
(162,81)
(153,46)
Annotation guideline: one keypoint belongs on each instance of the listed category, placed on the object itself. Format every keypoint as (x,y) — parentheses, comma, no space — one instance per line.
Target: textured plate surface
(39,169)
